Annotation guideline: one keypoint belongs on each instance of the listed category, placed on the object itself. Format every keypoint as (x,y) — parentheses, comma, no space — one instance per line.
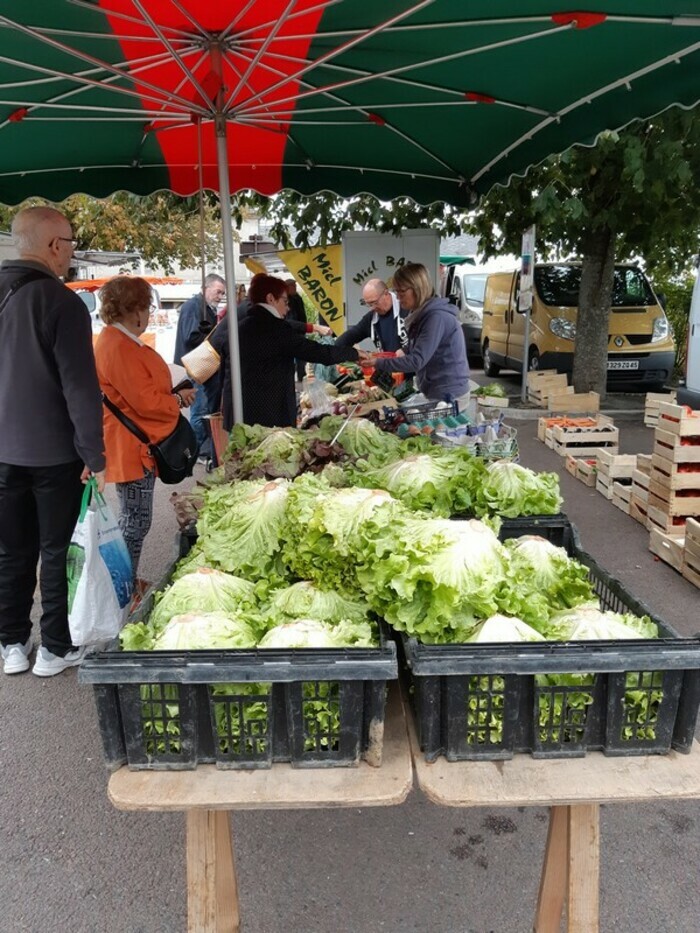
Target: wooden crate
(675,448)
(604,485)
(659,518)
(691,554)
(640,486)
(616,466)
(574,401)
(571,465)
(539,389)
(492,401)
(545,425)
(638,510)
(644,463)
(621,494)
(678,420)
(584,441)
(669,547)
(586,470)
(651,406)
(673,475)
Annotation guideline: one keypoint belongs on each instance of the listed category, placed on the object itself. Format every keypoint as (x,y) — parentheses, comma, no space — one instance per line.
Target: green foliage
(678,292)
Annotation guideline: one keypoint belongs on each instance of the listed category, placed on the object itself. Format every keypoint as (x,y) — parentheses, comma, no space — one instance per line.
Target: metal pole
(527,271)
(227,231)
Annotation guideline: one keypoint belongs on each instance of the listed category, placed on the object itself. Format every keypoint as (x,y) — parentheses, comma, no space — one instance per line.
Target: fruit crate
(584,437)
(430,411)
(240,709)
(633,697)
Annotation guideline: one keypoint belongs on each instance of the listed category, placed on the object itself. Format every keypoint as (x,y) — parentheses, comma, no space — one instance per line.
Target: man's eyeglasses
(372,301)
(67,239)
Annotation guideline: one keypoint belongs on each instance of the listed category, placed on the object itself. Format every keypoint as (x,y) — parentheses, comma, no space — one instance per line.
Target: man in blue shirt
(196,320)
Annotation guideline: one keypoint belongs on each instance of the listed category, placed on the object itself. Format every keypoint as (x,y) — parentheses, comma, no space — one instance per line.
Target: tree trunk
(592,322)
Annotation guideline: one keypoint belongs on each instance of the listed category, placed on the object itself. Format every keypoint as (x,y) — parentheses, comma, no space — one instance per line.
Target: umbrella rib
(90,59)
(251,30)
(332,54)
(82,79)
(648,69)
(237,18)
(258,55)
(105,13)
(463,53)
(77,34)
(188,16)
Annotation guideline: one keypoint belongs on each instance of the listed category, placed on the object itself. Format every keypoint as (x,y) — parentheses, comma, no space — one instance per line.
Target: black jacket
(269,346)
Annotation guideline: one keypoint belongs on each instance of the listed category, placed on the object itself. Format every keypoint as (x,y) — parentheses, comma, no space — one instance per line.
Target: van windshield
(474,288)
(559,285)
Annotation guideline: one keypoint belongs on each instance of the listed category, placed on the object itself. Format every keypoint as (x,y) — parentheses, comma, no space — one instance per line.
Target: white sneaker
(48,664)
(16,657)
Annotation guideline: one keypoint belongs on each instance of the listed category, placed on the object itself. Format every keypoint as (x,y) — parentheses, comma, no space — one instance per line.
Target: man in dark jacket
(383,324)
(50,437)
(196,320)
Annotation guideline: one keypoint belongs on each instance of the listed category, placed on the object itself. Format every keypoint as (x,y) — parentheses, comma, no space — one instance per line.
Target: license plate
(623,364)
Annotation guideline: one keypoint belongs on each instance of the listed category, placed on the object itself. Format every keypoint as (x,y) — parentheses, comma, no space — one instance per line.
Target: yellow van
(641,351)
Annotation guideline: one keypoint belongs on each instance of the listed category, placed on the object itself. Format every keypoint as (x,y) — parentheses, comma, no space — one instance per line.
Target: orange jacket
(137,381)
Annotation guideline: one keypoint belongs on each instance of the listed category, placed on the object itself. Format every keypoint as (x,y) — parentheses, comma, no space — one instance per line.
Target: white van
(464,287)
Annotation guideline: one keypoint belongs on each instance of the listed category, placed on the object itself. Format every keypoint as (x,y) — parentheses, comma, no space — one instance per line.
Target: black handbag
(175,455)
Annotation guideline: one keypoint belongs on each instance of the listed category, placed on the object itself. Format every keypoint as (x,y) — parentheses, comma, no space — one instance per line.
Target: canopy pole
(227,231)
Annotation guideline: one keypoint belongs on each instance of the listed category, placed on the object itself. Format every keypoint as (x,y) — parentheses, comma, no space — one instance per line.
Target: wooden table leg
(571,871)
(584,868)
(553,883)
(212,891)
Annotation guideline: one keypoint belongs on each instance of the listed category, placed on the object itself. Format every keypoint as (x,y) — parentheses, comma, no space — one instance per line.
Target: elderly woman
(137,380)
(269,346)
(436,350)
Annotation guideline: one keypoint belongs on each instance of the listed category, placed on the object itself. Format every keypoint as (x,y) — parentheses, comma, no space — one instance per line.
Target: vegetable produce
(361,438)
(589,622)
(511,490)
(542,578)
(201,630)
(501,628)
(494,390)
(312,633)
(307,600)
(241,528)
(431,577)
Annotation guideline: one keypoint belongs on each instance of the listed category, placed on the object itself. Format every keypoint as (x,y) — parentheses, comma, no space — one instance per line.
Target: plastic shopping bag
(99,572)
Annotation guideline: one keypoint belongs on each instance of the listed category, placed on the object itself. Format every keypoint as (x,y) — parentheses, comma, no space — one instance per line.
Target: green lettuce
(312,633)
(307,600)
(194,631)
(511,490)
(588,622)
(501,628)
(360,438)
(202,591)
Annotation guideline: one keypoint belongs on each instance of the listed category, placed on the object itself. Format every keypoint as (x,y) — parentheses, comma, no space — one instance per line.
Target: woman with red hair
(268,347)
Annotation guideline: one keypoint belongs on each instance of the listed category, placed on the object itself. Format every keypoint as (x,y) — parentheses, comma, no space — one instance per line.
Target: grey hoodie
(436,352)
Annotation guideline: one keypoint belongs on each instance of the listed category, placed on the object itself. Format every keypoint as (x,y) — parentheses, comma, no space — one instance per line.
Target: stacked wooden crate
(651,406)
(582,468)
(541,383)
(582,437)
(691,552)
(674,482)
(614,477)
(639,494)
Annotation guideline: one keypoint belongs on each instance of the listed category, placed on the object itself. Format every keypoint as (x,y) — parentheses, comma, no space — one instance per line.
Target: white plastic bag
(99,573)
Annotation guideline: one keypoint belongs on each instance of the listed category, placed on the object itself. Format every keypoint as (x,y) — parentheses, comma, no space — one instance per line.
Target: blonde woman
(137,380)
(436,350)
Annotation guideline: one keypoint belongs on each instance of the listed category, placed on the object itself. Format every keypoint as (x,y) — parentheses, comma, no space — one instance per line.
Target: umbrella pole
(229,268)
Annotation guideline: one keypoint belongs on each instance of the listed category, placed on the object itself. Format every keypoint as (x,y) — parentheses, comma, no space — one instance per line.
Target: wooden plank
(691,574)
(586,470)
(692,531)
(278,787)
(640,493)
(492,401)
(571,465)
(644,463)
(555,873)
(674,481)
(622,491)
(604,486)
(212,891)
(640,479)
(668,547)
(534,376)
(678,453)
(583,892)
(580,448)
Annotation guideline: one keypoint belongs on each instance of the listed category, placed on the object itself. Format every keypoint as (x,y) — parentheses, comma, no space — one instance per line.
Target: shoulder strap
(125,420)
(22,280)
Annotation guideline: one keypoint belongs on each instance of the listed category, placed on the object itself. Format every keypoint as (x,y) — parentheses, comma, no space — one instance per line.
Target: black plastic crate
(431,410)
(633,697)
(242,709)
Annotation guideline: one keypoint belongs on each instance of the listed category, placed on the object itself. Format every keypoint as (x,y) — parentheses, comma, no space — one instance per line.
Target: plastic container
(240,709)
(634,697)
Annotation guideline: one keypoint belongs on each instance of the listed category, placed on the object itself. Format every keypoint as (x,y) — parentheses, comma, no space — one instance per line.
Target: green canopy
(456,260)
(434,99)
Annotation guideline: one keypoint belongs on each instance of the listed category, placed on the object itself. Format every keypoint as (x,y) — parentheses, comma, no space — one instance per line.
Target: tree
(631,195)
(163,228)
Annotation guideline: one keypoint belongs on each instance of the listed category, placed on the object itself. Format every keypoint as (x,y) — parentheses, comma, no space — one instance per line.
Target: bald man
(50,437)
(383,324)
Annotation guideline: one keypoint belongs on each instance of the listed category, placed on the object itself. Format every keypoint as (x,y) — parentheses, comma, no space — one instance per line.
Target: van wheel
(490,368)
(533,360)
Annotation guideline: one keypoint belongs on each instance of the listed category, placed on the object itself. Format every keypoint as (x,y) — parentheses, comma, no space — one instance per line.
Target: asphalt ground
(69,861)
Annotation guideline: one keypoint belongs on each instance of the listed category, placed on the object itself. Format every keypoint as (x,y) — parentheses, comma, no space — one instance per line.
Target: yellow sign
(319,272)
(254,265)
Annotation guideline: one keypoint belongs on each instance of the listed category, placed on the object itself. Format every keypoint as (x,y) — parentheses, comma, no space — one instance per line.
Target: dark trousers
(39,508)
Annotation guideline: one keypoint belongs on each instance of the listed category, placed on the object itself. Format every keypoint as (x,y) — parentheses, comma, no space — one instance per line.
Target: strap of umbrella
(200,177)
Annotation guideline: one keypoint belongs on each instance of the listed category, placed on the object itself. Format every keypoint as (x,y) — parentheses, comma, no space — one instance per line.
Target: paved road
(71,862)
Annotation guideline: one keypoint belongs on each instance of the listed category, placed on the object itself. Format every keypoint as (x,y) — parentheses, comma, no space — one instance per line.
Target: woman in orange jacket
(137,380)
